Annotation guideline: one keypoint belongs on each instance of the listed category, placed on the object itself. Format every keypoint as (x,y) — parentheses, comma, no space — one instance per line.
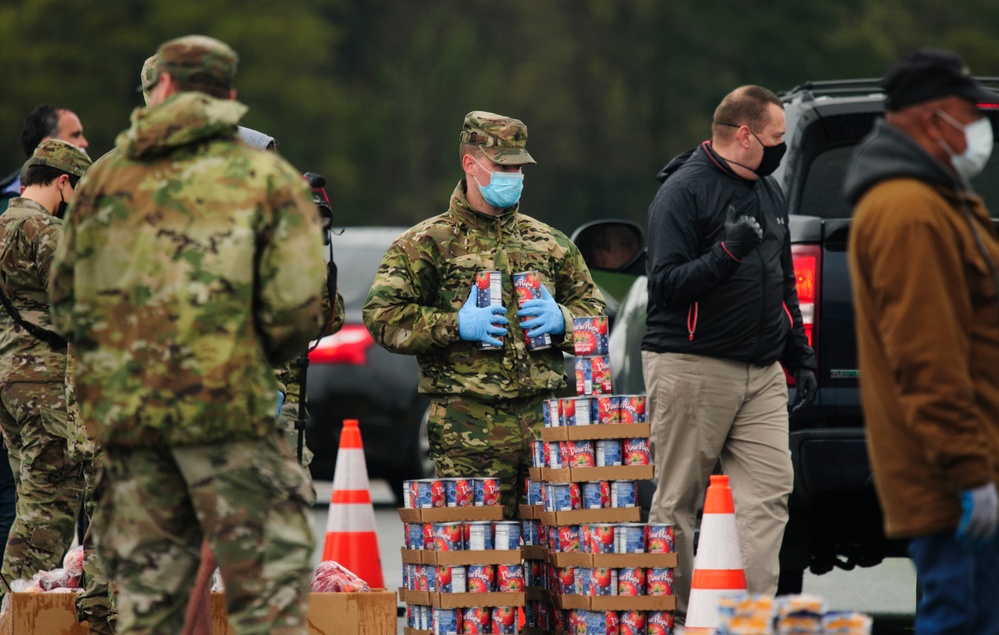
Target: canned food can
(428,535)
(410,577)
(575,496)
(545,619)
(608,452)
(632,622)
(447,621)
(567,580)
(659,622)
(568,539)
(424,618)
(600,374)
(595,494)
(475,620)
(534,493)
(478,535)
(554,454)
(507,535)
(589,335)
(459,492)
(658,581)
(489,292)
(603,581)
(576,411)
(630,538)
(448,536)
(558,497)
(538,456)
(661,538)
(487,491)
(429,493)
(608,408)
(602,537)
(531,614)
(451,579)
(509,578)
(632,409)
(631,581)
(481,578)
(580,453)
(599,622)
(584,580)
(584,376)
(636,451)
(527,286)
(530,532)
(504,620)
(533,573)
(428,572)
(623,493)
(407,494)
(414,536)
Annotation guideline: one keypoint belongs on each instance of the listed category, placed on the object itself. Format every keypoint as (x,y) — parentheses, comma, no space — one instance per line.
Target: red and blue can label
(631,581)
(451,579)
(603,581)
(636,451)
(608,452)
(487,491)
(408,495)
(554,454)
(428,535)
(580,453)
(623,493)
(448,536)
(504,619)
(489,292)
(589,335)
(632,409)
(458,492)
(478,535)
(535,492)
(659,622)
(447,621)
(601,538)
(558,497)
(506,535)
(584,376)
(476,620)
(567,580)
(600,375)
(509,578)
(629,538)
(661,539)
(659,581)
(576,411)
(429,493)
(552,410)
(596,495)
(527,286)
(481,578)
(608,409)
(428,572)
(530,532)
(584,580)
(414,536)
(598,622)
(567,537)
(632,622)
(539,458)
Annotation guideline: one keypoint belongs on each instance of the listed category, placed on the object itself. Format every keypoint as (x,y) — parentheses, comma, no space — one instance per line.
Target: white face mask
(978,137)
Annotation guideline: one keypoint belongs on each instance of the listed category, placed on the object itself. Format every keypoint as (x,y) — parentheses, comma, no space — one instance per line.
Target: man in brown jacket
(923,254)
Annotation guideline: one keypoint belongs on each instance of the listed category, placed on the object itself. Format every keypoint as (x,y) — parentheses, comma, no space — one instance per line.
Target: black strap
(52,339)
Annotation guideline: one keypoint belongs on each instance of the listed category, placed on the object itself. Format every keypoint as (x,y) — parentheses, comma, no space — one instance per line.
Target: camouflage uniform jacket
(29,235)
(190,265)
(427,274)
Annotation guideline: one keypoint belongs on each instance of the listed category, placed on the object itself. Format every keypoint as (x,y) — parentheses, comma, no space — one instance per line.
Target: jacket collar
(463,213)
(183,118)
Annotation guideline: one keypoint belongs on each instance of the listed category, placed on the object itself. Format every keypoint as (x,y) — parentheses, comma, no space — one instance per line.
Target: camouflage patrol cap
(500,138)
(147,77)
(60,155)
(197,61)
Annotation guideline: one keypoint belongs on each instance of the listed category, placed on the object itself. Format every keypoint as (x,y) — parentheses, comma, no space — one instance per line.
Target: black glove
(806,386)
(742,235)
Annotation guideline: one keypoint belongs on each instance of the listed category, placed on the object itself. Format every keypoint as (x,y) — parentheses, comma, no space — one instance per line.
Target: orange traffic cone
(718,563)
(351,539)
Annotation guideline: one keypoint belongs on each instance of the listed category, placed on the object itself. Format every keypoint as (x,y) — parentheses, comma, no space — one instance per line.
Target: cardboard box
(415,556)
(409,596)
(585,474)
(534,552)
(450,514)
(461,600)
(41,614)
(583,516)
(371,613)
(597,431)
(530,512)
(613,560)
(412,631)
(492,556)
(617,602)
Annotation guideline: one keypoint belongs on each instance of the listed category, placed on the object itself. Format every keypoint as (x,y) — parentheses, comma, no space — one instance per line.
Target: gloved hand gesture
(806,386)
(546,315)
(979,517)
(742,234)
(477,324)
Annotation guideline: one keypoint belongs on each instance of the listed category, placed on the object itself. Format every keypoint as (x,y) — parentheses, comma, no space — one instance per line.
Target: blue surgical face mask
(504,188)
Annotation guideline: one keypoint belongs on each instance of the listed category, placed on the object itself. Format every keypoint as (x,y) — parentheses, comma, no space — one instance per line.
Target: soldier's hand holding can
(546,315)
(481,324)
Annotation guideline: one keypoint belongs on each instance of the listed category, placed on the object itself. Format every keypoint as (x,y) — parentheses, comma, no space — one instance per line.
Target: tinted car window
(357,255)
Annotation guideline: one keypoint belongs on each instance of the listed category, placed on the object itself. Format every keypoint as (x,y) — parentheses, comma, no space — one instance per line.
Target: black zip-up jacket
(702,300)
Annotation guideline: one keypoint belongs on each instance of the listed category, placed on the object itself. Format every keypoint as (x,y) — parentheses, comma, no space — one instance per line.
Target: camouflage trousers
(49,485)
(95,605)
(247,499)
(473,438)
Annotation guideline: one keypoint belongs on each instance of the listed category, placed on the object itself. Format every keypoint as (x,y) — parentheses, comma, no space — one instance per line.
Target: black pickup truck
(835,519)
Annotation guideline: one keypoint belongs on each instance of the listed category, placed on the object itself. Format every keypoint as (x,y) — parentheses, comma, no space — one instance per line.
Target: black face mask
(772,156)
(61,210)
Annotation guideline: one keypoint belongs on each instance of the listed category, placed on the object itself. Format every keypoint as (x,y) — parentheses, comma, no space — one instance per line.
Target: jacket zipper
(692,320)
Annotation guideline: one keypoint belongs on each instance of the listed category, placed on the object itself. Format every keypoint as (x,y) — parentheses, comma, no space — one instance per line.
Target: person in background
(722,317)
(923,254)
(180,306)
(485,404)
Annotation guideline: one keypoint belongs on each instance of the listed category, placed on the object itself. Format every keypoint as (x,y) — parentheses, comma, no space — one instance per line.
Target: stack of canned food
(584,410)
(581,622)
(474,620)
(429,493)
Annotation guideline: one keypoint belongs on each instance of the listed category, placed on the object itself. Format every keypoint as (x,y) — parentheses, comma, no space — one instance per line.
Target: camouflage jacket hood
(427,275)
(182,119)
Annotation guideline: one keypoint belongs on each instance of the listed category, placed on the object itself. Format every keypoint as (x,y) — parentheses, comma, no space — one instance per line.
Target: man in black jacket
(723,313)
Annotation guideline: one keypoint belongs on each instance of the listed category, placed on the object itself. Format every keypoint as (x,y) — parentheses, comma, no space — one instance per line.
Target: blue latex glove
(546,316)
(280,402)
(979,517)
(481,324)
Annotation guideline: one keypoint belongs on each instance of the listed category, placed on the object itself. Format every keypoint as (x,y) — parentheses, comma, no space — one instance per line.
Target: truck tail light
(348,346)
(807,274)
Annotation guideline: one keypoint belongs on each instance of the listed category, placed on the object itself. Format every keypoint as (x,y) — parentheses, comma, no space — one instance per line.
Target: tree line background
(372,93)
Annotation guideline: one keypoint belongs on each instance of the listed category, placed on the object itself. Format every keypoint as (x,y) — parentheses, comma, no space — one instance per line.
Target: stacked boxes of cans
(462,566)
(589,565)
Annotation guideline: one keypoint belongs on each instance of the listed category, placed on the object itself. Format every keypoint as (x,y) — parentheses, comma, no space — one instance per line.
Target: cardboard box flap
(450,514)
(583,516)
(456,558)
(597,431)
(462,600)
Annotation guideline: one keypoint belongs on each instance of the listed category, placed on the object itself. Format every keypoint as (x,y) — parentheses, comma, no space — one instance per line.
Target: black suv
(835,518)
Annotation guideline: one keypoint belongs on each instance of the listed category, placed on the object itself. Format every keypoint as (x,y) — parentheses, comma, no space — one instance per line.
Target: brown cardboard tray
(617,602)
(597,431)
(583,516)
(461,600)
(450,514)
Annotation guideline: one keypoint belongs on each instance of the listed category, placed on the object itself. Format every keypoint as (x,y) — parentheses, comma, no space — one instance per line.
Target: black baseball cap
(929,74)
